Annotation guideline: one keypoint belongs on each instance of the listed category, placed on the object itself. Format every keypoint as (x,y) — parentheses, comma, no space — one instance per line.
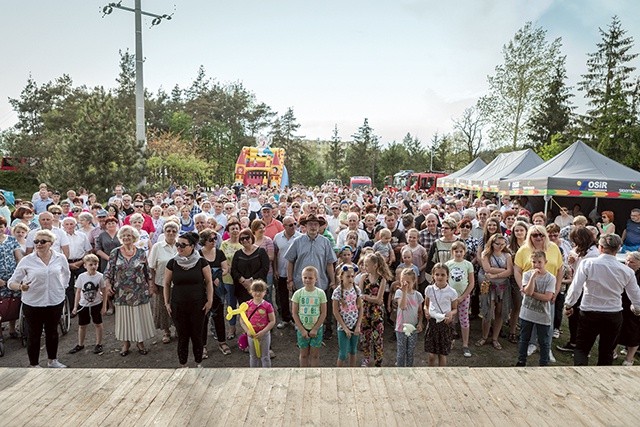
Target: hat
(102,213)
(267,206)
(313,218)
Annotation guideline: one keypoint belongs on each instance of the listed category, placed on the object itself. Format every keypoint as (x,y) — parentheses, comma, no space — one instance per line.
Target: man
(603,279)
(311,249)
(353,224)
(505,204)
(333,222)
(431,233)
(93,235)
(42,201)
(79,246)
(398,237)
(147,225)
(282,211)
(631,234)
(282,242)
(126,205)
(218,215)
(271,225)
(61,244)
(477,231)
(425,209)
(38,194)
(189,201)
(117,194)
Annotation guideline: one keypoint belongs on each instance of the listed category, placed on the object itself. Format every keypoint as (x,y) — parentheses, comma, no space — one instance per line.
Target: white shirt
(160,254)
(47,283)
(79,245)
(604,279)
(363,237)
(282,243)
(62,239)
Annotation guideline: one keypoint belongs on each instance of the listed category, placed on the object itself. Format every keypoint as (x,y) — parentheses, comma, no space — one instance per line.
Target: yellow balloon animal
(242,311)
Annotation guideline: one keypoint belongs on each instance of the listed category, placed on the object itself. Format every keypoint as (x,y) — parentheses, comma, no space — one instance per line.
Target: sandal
(143,351)
(513,338)
(205,355)
(166,339)
(481,342)
(124,352)
(496,345)
(231,336)
(224,348)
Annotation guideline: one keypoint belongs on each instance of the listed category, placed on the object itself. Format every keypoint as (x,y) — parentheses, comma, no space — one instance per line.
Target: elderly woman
(137,221)
(24,215)
(56,211)
(538,240)
(630,332)
(42,276)
(127,278)
(250,262)
(10,255)
(219,267)
(190,298)
(440,250)
(266,243)
(229,247)
(161,253)
(85,222)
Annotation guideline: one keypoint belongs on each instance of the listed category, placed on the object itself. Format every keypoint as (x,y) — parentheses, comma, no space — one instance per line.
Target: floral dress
(372,325)
(129,278)
(8,264)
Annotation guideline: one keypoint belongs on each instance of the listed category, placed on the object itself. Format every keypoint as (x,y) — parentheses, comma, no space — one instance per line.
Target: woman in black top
(250,262)
(192,288)
(219,266)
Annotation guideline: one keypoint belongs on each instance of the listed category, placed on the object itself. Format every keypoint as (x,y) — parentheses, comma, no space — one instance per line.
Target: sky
(406,65)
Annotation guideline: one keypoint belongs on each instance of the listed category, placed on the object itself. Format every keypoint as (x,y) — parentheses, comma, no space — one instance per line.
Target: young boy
(89,288)
(462,281)
(384,246)
(309,309)
(538,287)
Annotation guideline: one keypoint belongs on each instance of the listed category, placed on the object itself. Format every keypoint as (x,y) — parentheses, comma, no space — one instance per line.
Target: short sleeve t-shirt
(90,287)
(309,305)
(188,285)
(259,319)
(348,308)
(459,273)
(409,314)
(534,310)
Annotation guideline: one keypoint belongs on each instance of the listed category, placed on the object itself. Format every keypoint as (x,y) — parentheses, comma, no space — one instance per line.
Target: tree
(283,135)
(468,129)
(335,155)
(416,155)
(362,152)
(610,125)
(516,88)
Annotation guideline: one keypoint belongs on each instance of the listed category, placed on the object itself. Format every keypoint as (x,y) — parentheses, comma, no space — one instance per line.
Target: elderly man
(43,200)
(271,225)
(603,280)
(147,225)
(102,216)
(477,231)
(431,233)
(282,242)
(312,249)
(425,209)
(219,215)
(61,244)
(353,223)
(631,233)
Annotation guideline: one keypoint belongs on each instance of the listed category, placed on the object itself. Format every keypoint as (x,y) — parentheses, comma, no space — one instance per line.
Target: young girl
(345,256)
(309,309)
(347,309)
(462,281)
(407,262)
(409,313)
(263,319)
(373,283)
(383,246)
(440,305)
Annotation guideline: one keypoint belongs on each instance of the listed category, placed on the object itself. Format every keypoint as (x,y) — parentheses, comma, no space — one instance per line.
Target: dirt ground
(283,343)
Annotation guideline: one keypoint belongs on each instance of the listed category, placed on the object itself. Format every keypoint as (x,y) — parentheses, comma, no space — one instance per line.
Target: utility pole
(141,135)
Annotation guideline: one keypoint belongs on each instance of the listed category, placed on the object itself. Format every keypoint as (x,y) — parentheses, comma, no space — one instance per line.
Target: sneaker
(98,349)
(531,349)
(627,363)
(365,363)
(551,358)
(55,364)
(556,333)
(466,352)
(623,351)
(76,349)
(615,355)
(272,354)
(281,325)
(567,348)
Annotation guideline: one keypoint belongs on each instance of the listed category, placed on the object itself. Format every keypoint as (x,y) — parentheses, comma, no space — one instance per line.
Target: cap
(267,206)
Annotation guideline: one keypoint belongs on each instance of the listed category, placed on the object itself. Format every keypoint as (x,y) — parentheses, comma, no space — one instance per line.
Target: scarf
(188,262)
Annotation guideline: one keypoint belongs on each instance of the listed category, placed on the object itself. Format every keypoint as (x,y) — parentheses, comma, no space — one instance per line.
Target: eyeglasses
(41,242)
(212,239)
(466,226)
(290,225)
(138,206)
(182,245)
(243,238)
(537,235)
(170,230)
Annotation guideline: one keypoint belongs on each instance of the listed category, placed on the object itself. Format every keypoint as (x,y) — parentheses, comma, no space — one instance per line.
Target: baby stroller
(9,310)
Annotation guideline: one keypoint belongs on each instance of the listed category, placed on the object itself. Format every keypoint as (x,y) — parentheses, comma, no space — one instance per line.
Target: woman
(266,243)
(497,268)
(24,215)
(250,262)
(508,218)
(219,267)
(20,231)
(10,255)
(158,223)
(4,209)
(85,222)
(630,332)
(107,241)
(606,226)
(441,249)
(229,247)
(491,227)
(465,226)
(517,238)
(114,211)
(160,254)
(538,240)
(186,222)
(296,212)
(137,220)
(188,295)
(42,276)
(56,211)
(127,279)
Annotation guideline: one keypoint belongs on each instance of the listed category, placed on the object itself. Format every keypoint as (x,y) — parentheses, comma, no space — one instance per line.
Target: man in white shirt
(118,192)
(603,280)
(353,222)
(281,242)
(79,246)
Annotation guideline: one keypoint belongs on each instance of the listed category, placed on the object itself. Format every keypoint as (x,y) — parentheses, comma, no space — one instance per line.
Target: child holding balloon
(262,317)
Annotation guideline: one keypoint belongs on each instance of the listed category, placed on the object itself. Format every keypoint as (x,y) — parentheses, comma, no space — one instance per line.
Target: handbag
(243,340)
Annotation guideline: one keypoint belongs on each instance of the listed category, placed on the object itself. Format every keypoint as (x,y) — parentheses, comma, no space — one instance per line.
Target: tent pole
(546,207)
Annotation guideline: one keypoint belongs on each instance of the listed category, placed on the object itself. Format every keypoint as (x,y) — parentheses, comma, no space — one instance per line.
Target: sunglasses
(466,226)
(138,206)
(537,235)
(41,242)
(56,213)
(243,238)
(170,230)
(182,245)
(290,225)
(212,239)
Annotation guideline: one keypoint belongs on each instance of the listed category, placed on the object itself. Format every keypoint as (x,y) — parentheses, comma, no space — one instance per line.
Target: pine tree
(335,155)
(362,152)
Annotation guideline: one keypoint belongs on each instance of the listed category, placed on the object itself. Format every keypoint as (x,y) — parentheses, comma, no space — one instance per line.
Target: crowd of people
(319,260)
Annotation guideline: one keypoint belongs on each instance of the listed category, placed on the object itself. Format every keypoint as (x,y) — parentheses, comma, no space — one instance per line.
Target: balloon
(242,311)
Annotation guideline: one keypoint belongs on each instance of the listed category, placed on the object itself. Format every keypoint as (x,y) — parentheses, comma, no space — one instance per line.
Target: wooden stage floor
(559,396)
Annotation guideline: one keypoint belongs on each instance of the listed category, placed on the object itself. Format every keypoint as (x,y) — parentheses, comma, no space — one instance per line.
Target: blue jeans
(347,346)
(534,335)
(405,348)
(526,328)
(232,301)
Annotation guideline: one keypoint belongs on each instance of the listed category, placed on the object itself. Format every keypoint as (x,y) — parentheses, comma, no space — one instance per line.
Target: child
(373,284)
(351,240)
(309,309)
(347,309)
(409,313)
(538,288)
(462,281)
(263,319)
(89,288)
(383,246)
(407,262)
(440,305)
(345,255)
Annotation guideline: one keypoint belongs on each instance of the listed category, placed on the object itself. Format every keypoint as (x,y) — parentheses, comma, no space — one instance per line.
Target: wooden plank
(294,406)
(441,392)
(210,408)
(86,401)
(165,393)
(363,399)
(149,386)
(279,380)
(402,397)
(475,391)
(182,391)
(122,399)
(257,402)
(196,395)
(378,392)
(345,413)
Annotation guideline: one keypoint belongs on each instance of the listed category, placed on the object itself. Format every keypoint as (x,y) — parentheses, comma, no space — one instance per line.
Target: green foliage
(556,145)
(334,157)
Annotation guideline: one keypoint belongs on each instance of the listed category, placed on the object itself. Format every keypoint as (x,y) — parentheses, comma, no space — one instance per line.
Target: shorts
(87,314)
(315,342)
